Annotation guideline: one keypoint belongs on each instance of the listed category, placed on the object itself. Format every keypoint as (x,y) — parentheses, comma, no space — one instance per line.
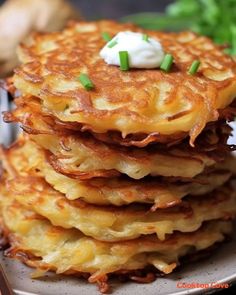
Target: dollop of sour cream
(143,53)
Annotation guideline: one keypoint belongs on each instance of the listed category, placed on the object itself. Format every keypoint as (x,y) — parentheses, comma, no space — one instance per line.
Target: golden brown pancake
(26,158)
(43,246)
(33,118)
(85,158)
(81,156)
(116,224)
(111,223)
(148,102)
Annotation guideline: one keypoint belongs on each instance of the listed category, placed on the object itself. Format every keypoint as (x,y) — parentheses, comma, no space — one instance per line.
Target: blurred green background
(213,18)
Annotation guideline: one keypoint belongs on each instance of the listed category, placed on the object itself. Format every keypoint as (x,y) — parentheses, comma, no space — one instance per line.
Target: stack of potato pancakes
(127,178)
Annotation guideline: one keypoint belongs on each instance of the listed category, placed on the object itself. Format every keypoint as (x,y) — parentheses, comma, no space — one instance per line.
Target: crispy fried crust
(25,157)
(80,156)
(111,223)
(85,159)
(214,136)
(137,101)
(45,247)
(116,224)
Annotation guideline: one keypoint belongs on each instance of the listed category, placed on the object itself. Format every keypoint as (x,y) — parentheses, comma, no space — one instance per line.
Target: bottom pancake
(43,246)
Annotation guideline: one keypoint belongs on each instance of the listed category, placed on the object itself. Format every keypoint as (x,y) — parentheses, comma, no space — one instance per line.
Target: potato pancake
(26,158)
(37,243)
(149,102)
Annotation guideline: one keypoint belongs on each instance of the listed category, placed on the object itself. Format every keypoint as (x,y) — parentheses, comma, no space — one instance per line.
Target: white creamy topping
(145,54)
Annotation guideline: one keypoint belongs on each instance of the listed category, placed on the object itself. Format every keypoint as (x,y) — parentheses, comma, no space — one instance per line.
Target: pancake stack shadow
(125,179)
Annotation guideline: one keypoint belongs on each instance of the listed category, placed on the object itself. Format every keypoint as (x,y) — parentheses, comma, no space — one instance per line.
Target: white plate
(219,267)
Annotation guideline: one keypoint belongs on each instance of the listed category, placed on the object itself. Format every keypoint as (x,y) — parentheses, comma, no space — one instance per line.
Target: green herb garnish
(145,37)
(112,44)
(167,62)
(124,60)
(106,36)
(213,18)
(86,82)
(194,67)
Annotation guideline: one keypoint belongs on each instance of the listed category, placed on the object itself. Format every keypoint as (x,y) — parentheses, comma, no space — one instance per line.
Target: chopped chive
(145,37)
(86,82)
(167,62)
(106,36)
(194,67)
(112,44)
(124,60)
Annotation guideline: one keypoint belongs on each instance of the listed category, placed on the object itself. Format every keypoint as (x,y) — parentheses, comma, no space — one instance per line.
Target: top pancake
(139,101)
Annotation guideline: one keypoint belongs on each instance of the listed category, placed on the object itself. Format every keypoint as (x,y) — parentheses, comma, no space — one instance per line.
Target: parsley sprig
(213,18)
